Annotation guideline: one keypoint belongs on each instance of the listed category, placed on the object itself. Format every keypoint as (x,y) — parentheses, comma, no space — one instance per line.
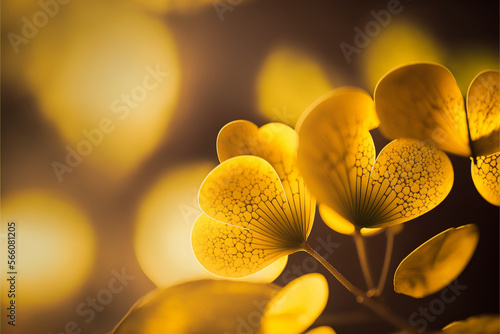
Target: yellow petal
(423,101)
(277,144)
(437,262)
(339,224)
(486,177)
(322,330)
(232,251)
(296,306)
(409,178)
(246,192)
(484,324)
(336,151)
(191,308)
(483,111)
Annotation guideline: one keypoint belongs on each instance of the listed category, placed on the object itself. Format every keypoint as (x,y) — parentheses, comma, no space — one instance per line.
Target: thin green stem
(363,260)
(380,309)
(387,261)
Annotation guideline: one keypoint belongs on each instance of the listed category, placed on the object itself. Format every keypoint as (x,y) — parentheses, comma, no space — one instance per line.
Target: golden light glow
(466,63)
(341,225)
(322,330)
(437,262)
(55,247)
(288,81)
(165,219)
(336,155)
(256,207)
(423,101)
(237,306)
(486,323)
(399,43)
(296,306)
(188,6)
(109,84)
(205,306)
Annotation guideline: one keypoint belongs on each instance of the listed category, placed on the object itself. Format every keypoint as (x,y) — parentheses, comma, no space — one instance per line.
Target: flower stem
(387,261)
(381,309)
(363,260)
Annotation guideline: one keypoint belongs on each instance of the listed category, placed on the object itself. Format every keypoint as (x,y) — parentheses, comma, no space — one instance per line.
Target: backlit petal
(339,224)
(486,177)
(423,101)
(296,306)
(191,308)
(437,262)
(336,151)
(483,111)
(232,251)
(322,330)
(484,324)
(409,178)
(277,144)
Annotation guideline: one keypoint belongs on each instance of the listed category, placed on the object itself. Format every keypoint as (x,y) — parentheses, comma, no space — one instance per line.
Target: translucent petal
(423,101)
(277,144)
(232,251)
(336,151)
(339,224)
(191,308)
(437,262)
(484,324)
(483,111)
(486,177)
(244,192)
(409,178)
(296,306)
(322,330)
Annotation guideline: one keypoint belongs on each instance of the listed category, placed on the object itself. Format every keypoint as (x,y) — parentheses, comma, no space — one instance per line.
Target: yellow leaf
(209,307)
(245,192)
(296,306)
(232,251)
(483,113)
(409,178)
(423,101)
(437,262)
(483,324)
(277,144)
(336,151)
(486,177)
(322,330)
(339,224)
(336,156)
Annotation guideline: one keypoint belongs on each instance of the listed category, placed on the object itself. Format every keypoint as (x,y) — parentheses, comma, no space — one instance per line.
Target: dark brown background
(220,61)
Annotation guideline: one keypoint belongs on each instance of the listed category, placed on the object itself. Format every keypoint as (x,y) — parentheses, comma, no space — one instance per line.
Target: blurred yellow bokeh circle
(164,222)
(399,43)
(54,247)
(288,82)
(107,77)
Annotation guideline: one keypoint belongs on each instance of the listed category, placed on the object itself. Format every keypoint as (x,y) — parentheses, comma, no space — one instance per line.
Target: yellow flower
(256,208)
(336,156)
(423,101)
(212,306)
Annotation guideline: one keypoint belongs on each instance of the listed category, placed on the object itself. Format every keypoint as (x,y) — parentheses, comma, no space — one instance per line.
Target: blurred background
(110,113)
